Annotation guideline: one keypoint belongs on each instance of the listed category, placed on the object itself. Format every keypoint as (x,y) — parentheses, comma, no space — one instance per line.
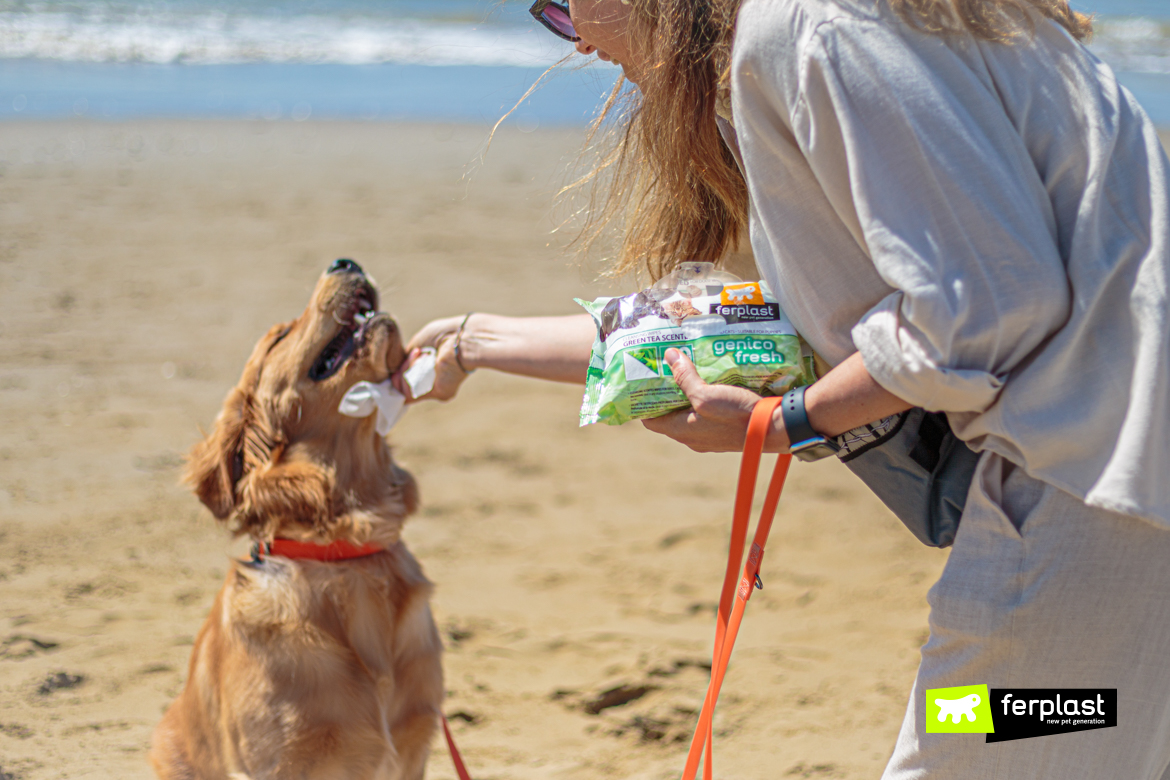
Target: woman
(959,209)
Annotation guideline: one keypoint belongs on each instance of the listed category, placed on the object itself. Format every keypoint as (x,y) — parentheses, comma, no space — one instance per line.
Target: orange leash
(456,759)
(733,600)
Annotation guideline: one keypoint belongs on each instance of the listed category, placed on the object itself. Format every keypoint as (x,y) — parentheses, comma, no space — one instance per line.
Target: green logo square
(962,710)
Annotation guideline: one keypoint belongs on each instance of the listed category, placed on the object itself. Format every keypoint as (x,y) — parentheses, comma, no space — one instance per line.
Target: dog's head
(281,460)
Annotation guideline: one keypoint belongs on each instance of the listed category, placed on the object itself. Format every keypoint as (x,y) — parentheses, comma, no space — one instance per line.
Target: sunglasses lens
(559,20)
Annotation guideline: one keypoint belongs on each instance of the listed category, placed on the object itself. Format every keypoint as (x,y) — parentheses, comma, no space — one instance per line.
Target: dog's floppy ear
(216,464)
(257,498)
(284,492)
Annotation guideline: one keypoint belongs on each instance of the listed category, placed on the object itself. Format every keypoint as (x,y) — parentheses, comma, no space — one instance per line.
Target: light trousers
(1042,591)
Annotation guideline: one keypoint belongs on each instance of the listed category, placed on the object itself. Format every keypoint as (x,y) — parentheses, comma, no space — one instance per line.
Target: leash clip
(759,582)
(259,550)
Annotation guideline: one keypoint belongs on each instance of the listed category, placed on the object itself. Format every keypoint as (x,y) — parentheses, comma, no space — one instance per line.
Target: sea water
(461,60)
(446,60)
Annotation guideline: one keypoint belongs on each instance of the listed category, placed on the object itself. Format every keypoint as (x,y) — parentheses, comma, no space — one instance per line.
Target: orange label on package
(741,293)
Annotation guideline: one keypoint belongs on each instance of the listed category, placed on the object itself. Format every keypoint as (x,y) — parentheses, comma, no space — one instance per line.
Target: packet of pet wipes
(733,331)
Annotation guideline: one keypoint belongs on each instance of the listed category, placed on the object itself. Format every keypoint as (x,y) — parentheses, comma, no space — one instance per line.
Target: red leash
(733,600)
(456,759)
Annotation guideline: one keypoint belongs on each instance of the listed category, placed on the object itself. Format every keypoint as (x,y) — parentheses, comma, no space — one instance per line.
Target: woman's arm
(848,397)
(552,348)
(558,348)
(845,398)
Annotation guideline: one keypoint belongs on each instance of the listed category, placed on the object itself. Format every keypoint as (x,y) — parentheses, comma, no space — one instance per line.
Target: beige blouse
(989,225)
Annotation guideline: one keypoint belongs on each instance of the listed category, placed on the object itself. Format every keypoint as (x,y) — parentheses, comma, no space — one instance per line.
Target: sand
(138,265)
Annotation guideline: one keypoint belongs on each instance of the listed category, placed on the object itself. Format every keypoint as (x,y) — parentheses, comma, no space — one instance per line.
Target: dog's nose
(345,266)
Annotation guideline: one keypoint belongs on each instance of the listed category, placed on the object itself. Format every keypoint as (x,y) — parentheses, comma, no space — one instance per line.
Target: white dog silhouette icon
(957,708)
(741,294)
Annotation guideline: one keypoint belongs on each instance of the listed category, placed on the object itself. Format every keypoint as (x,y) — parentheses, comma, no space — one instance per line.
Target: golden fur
(307,669)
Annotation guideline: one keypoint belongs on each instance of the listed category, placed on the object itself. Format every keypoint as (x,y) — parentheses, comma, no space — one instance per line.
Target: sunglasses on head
(555,17)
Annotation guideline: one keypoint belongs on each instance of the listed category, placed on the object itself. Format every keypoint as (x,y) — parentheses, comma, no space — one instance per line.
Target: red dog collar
(336,551)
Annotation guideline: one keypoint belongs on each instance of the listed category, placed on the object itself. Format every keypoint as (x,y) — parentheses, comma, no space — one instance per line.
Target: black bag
(919,469)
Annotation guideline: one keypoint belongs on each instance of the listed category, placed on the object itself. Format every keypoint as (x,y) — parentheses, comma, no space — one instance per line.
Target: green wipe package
(733,331)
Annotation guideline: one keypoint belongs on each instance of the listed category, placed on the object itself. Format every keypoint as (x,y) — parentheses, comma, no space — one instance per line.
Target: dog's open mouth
(354,320)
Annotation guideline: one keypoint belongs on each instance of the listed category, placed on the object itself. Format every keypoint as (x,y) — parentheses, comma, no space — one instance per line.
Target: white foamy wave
(1136,45)
(217,38)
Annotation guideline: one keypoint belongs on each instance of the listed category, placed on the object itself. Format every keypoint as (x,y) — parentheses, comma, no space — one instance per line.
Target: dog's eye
(320,369)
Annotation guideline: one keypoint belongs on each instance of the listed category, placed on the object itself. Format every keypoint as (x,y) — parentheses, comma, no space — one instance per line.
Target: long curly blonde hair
(661,169)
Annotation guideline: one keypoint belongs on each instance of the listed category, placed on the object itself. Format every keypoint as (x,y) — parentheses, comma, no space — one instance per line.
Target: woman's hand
(844,398)
(440,335)
(718,418)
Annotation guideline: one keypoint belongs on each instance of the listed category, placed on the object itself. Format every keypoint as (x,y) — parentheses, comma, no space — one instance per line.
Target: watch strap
(795,417)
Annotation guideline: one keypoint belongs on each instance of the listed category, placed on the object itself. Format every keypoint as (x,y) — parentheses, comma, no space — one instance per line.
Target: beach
(575,569)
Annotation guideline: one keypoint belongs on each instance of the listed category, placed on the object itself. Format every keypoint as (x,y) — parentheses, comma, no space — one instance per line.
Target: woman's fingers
(440,336)
(701,434)
(433,332)
(672,424)
(718,417)
(448,374)
(685,375)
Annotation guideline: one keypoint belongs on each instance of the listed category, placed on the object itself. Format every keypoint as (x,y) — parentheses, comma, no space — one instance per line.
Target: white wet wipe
(365,398)
(420,377)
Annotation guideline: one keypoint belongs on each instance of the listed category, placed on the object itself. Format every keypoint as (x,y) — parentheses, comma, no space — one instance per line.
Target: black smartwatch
(804,443)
